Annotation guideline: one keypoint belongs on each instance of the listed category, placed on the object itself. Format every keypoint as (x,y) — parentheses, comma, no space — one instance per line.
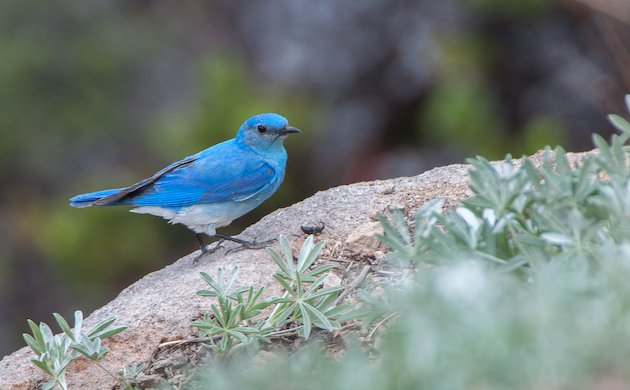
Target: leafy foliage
(235,322)
(55,352)
(467,326)
(520,217)
(302,303)
(231,320)
(129,374)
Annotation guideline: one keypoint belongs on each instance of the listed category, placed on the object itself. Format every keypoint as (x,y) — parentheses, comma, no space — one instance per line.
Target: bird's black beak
(290,130)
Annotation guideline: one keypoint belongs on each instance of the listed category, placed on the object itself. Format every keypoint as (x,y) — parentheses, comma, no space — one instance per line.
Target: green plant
(466,326)
(55,352)
(304,301)
(128,375)
(236,323)
(231,321)
(520,216)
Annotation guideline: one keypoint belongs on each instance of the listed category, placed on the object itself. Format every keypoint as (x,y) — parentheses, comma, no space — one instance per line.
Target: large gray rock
(162,305)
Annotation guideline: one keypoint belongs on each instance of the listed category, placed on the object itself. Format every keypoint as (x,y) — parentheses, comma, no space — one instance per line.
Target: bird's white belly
(201,218)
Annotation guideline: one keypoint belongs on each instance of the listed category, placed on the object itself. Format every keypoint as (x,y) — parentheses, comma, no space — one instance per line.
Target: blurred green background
(99,94)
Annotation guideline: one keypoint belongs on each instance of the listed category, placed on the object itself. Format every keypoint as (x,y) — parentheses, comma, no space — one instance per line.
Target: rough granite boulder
(161,306)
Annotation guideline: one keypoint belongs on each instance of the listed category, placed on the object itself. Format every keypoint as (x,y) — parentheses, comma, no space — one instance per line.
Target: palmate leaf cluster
(235,322)
(520,217)
(231,321)
(55,352)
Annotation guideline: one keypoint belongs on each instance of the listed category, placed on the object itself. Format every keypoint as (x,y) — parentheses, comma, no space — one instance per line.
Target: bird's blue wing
(121,196)
(218,175)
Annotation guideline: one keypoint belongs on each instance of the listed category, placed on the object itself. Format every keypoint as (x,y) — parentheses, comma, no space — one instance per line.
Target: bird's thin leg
(202,246)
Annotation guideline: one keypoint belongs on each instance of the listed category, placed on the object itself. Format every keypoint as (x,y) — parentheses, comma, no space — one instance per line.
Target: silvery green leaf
(469,217)
(490,216)
(556,239)
(619,122)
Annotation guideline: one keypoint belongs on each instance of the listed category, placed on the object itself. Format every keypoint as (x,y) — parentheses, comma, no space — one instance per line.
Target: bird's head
(264,131)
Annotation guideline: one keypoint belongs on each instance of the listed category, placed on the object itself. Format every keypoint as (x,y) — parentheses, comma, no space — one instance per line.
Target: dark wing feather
(143,184)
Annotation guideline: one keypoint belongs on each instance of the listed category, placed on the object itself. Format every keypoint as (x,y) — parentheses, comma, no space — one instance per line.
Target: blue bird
(210,189)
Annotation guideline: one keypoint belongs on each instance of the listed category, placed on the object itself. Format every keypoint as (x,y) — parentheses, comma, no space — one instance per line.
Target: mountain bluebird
(210,189)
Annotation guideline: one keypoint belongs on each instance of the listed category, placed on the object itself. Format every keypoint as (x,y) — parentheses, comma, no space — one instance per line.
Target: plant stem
(380,323)
(273,312)
(284,332)
(110,373)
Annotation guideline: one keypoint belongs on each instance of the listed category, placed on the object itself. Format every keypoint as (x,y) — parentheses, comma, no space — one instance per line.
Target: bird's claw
(242,246)
(208,250)
(251,245)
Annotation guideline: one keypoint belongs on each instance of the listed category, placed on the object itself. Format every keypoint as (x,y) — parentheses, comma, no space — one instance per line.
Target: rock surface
(161,306)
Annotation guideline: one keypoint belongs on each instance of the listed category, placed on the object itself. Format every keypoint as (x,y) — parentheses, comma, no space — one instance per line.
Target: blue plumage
(208,190)
(86,200)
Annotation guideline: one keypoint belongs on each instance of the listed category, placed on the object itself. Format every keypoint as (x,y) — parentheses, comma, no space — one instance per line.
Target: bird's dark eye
(262,128)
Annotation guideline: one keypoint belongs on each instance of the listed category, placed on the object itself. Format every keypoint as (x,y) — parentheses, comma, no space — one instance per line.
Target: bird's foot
(251,245)
(208,250)
(219,244)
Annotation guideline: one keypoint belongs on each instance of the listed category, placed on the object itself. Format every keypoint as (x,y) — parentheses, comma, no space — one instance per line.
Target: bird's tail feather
(87,200)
